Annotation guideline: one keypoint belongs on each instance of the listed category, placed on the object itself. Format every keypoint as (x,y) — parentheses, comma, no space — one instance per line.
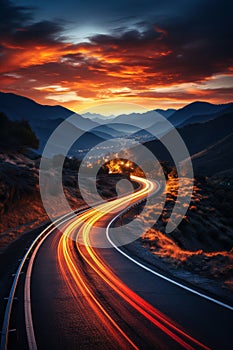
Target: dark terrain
(203,241)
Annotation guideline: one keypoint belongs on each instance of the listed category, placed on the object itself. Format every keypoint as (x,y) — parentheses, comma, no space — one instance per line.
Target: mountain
(42,118)
(158,128)
(124,129)
(105,119)
(97,115)
(45,119)
(216,158)
(198,137)
(87,141)
(195,111)
(18,107)
(200,124)
(141,120)
(118,128)
(108,131)
(202,135)
(206,117)
(99,118)
(167,112)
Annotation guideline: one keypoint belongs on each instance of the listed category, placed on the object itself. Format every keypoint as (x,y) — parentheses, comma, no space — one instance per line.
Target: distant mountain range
(204,127)
(195,112)
(198,112)
(44,119)
(200,138)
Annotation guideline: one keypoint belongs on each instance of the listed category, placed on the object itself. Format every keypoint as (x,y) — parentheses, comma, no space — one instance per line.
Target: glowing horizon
(151,61)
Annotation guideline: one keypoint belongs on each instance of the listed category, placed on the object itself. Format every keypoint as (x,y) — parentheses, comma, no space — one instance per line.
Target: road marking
(27,300)
(159,274)
(27,287)
(67,217)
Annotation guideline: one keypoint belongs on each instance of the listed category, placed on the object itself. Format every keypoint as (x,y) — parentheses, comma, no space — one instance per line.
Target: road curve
(83,297)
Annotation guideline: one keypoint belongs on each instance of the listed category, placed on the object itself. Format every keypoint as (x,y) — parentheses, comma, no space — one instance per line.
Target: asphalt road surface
(83,297)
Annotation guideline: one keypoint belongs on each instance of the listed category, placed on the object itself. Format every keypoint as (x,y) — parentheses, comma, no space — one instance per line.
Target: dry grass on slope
(203,242)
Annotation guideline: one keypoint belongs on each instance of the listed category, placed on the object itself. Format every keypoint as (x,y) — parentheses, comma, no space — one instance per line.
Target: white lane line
(27,300)
(159,274)
(27,287)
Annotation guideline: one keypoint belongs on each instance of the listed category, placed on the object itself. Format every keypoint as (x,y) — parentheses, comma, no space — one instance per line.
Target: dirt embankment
(21,208)
(203,242)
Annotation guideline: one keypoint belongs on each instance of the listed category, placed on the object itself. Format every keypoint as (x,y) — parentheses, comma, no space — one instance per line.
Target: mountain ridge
(198,127)
(196,108)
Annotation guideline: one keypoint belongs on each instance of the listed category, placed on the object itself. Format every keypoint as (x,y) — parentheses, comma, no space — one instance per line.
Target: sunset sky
(154,53)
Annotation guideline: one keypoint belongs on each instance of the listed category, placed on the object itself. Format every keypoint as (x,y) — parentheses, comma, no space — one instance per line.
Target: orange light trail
(64,250)
(80,228)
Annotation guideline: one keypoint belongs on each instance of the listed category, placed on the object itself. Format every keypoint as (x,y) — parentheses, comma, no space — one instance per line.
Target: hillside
(216,158)
(19,107)
(21,208)
(44,119)
(206,117)
(16,134)
(194,112)
(201,125)
(199,137)
(202,135)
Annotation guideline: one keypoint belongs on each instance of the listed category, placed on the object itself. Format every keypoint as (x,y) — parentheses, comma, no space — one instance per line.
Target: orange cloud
(152,68)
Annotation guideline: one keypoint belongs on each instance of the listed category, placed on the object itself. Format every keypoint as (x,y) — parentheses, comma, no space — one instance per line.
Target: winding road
(81,297)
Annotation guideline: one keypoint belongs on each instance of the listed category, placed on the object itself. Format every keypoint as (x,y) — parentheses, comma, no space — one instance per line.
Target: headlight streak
(51,175)
(64,250)
(81,226)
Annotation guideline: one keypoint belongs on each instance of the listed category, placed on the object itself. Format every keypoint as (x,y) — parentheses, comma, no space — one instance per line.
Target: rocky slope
(21,208)
(203,242)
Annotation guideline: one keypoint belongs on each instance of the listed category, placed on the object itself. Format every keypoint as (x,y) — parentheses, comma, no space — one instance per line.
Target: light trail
(80,229)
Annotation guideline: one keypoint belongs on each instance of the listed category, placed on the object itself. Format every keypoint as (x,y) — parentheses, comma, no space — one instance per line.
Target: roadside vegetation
(16,135)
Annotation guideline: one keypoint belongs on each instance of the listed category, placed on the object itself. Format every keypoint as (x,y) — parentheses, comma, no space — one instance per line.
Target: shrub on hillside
(16,135)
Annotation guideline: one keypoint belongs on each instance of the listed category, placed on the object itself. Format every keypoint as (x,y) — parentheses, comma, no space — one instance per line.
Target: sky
(148,53)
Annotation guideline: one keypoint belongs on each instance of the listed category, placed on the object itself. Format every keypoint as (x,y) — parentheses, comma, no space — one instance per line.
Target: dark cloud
(206,33)
(41,32)
(200,42)
(12,17)
(146,44)
(17,26)
(20,35)
(127,38)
